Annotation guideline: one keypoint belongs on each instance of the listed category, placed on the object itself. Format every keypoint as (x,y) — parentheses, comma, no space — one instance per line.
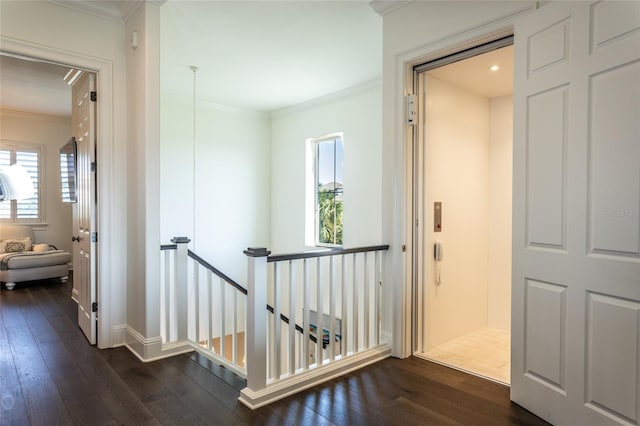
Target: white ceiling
(474,75)
(266,55)
(34,87)
(260,55)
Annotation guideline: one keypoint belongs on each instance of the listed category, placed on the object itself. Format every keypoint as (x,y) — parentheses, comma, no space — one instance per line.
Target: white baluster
(292,320)
(167,295)
(356,307)
(234,336)
(320,309)
(209,310)
(306,317)
(345,317)
(332,309)
(367,300)
(223,318)
(277,327)
(378,289)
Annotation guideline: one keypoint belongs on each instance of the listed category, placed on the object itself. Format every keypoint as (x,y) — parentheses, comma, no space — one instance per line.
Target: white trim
(141,339)
(386,337)
(455,367)
(214,105)
(310,378)
(100,9)
(402,79)
(145,348)
(331,97)
(152,349)
(219,360)
(34,115)
(118,11)
(106,208)
(382,7)
(119,333)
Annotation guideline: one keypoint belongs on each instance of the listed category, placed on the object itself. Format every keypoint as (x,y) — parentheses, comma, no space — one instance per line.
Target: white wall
(457,174)
(143,168)
(356,113)
(411,34)
(52,132)
(500,184)
(232,177)
(54,32)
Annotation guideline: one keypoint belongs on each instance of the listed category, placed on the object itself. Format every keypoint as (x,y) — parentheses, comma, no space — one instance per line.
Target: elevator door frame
(418,214)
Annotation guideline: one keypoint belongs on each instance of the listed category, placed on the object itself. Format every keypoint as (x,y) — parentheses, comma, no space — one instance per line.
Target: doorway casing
(421,216)
(104,72)
(404,65)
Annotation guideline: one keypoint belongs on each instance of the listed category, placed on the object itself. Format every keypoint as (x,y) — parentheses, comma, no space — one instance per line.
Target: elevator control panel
(437,216)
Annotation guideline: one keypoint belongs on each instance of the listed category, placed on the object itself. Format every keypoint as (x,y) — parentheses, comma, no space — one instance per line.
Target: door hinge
(94,167)
(412,111)
(94,237)
(94,96)
(94,307)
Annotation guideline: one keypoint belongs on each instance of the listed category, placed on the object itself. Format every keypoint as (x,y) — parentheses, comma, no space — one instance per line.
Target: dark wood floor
(49,374)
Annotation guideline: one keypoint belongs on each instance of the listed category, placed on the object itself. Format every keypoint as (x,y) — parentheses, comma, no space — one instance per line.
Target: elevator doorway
(462,210)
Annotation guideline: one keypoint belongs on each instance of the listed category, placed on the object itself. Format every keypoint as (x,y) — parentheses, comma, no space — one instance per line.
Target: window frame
(14,147)
(315,145)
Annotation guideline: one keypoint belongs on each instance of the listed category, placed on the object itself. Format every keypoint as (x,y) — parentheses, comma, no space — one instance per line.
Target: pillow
(15,246)
(40,247)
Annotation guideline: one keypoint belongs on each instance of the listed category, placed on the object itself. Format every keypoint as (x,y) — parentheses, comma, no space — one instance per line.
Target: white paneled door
(84,210)
(576,227)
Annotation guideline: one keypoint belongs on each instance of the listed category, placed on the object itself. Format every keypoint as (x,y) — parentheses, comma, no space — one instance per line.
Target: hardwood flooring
(49,374)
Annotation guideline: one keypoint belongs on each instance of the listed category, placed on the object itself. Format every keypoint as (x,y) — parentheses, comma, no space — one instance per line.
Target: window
(328,170)
(23,211)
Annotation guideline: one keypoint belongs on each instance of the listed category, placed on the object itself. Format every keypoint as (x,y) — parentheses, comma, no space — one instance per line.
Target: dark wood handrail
(322,253)
(243,290)
(286,319)
(216,271)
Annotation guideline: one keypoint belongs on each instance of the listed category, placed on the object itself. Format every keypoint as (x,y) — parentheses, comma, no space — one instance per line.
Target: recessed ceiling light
(494,68)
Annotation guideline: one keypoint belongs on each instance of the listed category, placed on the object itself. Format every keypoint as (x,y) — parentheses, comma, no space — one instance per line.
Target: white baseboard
(145,348)
(119,335)
(220,360)
(152,349)
(308,379)
(386,337)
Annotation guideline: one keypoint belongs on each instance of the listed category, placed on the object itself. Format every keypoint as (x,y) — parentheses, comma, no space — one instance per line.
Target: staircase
(268,331)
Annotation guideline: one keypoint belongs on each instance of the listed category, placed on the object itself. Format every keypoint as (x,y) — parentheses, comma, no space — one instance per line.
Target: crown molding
(118,11)
(382,7)
(331,97)
(101,9)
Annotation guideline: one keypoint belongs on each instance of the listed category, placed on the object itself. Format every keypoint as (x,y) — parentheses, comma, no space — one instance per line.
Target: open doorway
(47,106)
(462,208)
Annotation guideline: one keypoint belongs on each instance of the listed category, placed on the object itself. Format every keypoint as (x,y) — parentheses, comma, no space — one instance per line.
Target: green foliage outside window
(330,220)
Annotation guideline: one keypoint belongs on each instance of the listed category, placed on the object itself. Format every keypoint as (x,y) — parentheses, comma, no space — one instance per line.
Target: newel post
(256,318)
(182,281)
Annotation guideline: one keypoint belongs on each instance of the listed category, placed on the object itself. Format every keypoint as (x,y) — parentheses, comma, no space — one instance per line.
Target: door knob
(74,238)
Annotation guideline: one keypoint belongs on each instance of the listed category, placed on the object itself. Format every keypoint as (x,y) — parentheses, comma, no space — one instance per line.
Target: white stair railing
(202,309)
(323,318)
(217,306)
(303,318)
